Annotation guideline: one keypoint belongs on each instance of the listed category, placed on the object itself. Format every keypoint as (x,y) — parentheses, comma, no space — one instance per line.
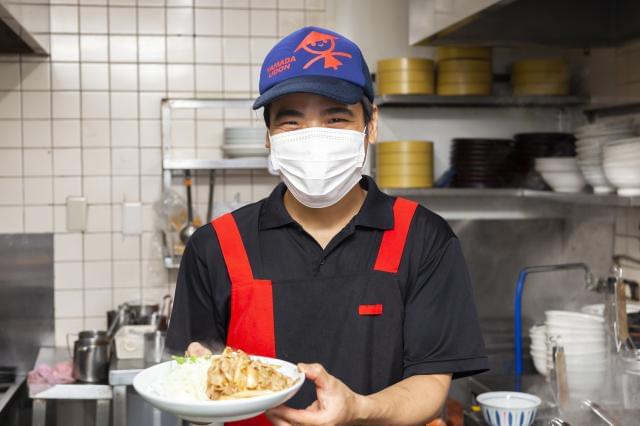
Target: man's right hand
(196,349)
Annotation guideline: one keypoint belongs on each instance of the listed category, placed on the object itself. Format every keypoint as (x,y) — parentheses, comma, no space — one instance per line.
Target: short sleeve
(441,330)
(194,317)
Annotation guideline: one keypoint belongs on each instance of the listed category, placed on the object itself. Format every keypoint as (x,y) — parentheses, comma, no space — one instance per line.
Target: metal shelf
(480,101)
(224,164)
(611,200)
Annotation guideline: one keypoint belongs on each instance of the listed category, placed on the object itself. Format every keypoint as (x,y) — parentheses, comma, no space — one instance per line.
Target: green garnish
(178,359)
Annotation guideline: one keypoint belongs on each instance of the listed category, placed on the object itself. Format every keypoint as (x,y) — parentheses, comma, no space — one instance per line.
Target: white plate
(215,411)
(242,150)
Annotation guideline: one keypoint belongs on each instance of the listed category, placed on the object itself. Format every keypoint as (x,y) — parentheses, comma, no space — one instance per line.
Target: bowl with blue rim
(509,408)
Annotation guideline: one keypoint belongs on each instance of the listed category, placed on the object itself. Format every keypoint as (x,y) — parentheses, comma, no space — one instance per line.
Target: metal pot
(91,355)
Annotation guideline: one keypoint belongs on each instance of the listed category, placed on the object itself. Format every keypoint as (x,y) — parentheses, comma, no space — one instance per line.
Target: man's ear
(372,127)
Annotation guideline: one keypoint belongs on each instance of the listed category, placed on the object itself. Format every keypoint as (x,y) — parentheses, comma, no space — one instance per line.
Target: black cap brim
(334,88)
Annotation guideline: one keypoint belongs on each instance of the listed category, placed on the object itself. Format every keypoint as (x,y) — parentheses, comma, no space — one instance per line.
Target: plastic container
(130,341)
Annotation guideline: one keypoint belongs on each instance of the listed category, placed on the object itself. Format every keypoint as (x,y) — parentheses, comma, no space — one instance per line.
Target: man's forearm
(413,401)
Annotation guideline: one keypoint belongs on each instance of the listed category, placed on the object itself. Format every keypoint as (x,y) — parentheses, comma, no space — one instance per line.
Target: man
(370,294)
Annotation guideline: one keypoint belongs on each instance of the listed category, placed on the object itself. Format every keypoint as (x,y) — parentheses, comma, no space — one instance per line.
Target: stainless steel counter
(40,394)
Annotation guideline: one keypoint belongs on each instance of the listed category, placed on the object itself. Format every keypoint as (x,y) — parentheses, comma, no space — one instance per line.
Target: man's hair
(367,107)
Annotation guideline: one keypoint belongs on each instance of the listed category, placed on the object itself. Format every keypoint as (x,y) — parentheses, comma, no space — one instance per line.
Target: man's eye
(337,120)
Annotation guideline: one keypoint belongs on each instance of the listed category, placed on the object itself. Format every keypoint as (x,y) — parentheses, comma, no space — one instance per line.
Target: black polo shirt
(440,331)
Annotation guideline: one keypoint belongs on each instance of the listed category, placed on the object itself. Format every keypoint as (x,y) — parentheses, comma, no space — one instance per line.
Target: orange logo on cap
(322,45)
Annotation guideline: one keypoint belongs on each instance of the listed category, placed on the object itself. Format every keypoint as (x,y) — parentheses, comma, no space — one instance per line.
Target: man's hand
(336,404)
(196,349)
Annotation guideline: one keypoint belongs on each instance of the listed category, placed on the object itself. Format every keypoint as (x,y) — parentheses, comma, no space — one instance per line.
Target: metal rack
(495,101)
(173,165)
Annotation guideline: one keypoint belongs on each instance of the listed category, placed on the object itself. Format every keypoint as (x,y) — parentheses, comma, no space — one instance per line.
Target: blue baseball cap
(315,60)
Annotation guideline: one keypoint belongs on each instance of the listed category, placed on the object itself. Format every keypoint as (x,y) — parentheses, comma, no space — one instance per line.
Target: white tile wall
(86,122)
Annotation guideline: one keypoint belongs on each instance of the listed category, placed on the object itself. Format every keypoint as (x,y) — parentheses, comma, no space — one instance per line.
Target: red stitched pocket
(370,309)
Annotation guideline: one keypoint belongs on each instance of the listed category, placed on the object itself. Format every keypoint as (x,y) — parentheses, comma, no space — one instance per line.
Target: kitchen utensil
(215,411)
(165,313)
(154,346)
(404,164)
(598,411)
(212,181)
(189,229)
(557,421)
(91,355)
(117,319)
(405,76)
(620,325)
(505,408)
(560,375)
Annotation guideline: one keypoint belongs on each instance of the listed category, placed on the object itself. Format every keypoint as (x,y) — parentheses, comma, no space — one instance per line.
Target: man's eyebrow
(288,113)
(338,110)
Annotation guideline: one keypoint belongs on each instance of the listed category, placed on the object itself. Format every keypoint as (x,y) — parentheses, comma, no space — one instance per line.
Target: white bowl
(556,164)
(215,411)
(598,308)
(506,408)
(571,316)
(540,365)
(570,182)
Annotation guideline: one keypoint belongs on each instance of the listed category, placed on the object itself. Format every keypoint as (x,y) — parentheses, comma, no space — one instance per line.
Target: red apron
(272,319)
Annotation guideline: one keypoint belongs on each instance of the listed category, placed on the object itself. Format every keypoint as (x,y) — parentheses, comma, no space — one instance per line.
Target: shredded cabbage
(186,380)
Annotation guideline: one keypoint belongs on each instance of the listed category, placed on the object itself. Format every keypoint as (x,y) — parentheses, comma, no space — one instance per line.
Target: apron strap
(233,251)
(393,240)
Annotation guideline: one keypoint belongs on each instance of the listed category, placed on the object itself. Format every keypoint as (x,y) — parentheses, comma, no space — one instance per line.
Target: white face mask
(319,165)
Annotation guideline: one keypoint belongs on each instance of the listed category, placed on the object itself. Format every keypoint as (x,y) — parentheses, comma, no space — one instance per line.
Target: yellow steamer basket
(401,64)
(539,77)
(549,89)
(540,65)
(464,89)
(445,53)
(465,66)
(404,164)
(405,181)
(463,77)
(405,76)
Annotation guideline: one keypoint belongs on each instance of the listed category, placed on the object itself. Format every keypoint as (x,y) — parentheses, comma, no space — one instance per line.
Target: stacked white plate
(621,160)
(583,338)
(538,349)
(590,141)
(244,142)
(561,173)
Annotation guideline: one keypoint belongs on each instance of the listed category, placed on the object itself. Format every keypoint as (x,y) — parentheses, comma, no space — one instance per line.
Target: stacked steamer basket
(464,71)
(540,77)
(592,138)
(582,336)
(405,76)
(244,142)
(404,164)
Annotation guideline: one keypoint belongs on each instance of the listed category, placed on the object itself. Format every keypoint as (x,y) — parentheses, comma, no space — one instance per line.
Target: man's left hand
(336,404)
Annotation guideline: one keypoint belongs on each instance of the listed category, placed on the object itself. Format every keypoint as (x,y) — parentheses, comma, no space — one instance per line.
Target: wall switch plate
(131,218)
(76,214)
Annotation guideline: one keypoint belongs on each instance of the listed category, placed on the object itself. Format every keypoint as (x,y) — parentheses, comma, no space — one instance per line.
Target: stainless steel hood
(560,23)
(14,37)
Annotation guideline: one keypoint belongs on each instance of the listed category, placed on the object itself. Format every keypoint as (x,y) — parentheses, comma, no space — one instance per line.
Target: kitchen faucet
(522,276)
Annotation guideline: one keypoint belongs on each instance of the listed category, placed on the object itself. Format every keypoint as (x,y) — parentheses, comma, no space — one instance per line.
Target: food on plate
(230,375)
(234,375)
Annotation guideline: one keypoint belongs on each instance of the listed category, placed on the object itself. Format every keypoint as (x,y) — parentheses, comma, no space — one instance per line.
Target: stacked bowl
(405,76)
(582,337)
(244,142)
(621,161)
(530,146)
(589,148)
(561,173)
(538,349)
(482,163)
(464,70)
(540,77)
(404,164)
